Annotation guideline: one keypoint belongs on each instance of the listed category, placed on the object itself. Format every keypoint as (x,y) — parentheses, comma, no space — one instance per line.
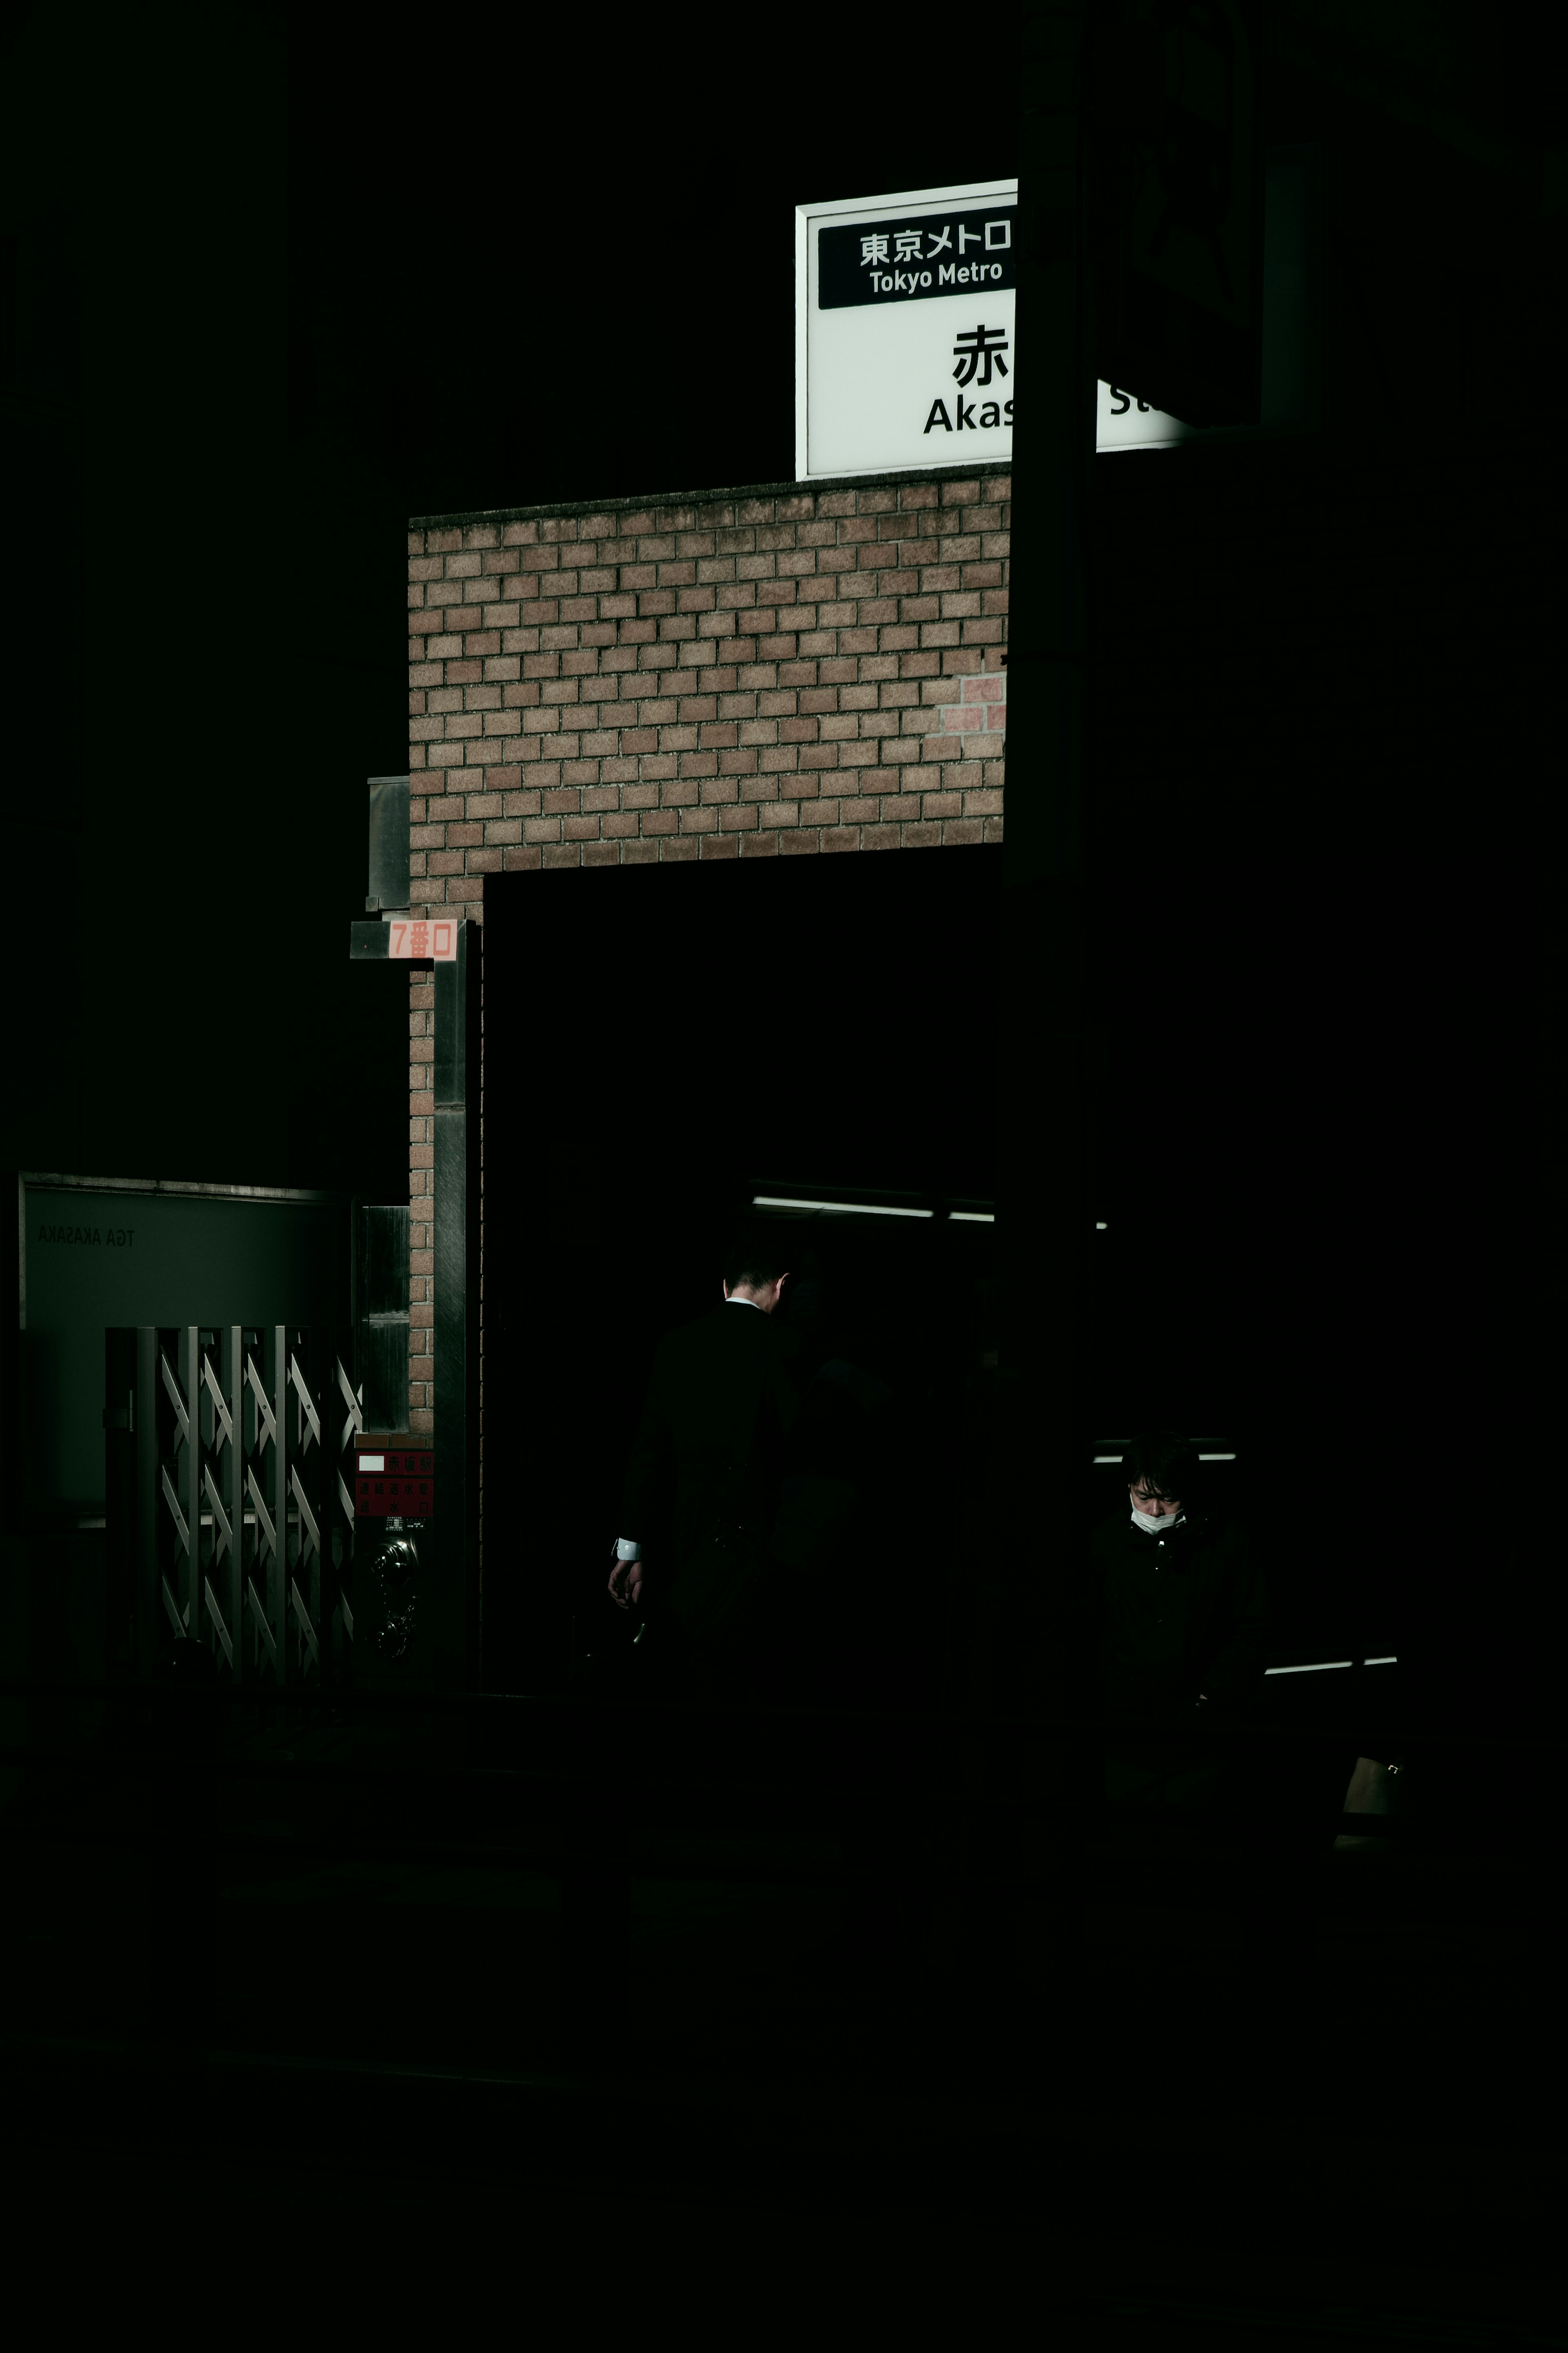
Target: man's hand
(625,1584)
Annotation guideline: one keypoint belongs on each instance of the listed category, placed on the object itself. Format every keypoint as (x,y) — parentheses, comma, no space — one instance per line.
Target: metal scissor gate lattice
(253,1522)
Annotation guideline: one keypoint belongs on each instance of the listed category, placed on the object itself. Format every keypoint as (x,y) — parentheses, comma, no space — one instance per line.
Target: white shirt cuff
(626,1550)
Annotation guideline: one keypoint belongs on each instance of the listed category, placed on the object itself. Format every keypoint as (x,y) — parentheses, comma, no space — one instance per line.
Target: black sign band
(916,261)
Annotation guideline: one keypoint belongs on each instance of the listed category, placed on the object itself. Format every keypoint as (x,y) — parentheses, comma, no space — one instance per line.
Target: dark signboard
(100,1253)
(917,259)
(1176,205)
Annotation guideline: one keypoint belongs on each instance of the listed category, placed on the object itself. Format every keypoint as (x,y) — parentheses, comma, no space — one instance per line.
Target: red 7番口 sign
(425,942)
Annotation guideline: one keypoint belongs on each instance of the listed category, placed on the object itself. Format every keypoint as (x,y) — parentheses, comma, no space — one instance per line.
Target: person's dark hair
(755,1256)
(1167,1464)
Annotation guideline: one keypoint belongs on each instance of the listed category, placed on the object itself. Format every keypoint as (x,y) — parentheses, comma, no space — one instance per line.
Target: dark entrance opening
(1269,1160)
(667,1050)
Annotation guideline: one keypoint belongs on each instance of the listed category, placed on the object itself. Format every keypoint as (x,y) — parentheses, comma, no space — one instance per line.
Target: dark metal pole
(233,1589)
(190,1380)
(277,1584)
(147,1602)
(131,1486)
(1045,1203)
(452,1592)
(1044,1213)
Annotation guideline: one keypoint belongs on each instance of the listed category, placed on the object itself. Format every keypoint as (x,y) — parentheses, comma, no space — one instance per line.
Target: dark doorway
(663,1045)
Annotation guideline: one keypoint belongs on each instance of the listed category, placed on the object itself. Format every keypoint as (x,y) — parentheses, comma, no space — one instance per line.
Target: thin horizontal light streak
(1317,1666)
(1203,1457)
(836,1209)
(974,1217)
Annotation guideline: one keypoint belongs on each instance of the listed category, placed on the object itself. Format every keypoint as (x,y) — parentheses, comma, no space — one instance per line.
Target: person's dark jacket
(702,1484)
(1176,1615)
(840,1489)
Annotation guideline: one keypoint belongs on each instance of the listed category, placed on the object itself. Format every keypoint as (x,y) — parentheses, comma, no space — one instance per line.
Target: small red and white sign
(401,1484)
(424,942)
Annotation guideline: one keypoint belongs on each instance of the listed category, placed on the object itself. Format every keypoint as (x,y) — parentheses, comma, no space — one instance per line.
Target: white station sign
(904,344)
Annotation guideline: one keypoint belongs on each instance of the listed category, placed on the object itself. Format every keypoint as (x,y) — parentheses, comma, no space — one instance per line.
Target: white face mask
(1157,1526)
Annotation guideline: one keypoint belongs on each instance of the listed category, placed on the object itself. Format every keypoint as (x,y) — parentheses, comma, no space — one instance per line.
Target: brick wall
(753,673)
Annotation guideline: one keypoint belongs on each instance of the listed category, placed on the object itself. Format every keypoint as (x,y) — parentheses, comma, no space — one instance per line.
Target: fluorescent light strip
(837,1208)
(1319,1666)
(1203,1457)
(974,1217)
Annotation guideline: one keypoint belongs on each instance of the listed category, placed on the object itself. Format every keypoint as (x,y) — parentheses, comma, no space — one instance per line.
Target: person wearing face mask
(1180,1611)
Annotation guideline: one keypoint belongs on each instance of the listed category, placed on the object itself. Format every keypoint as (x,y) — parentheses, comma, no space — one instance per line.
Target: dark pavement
(800,2004)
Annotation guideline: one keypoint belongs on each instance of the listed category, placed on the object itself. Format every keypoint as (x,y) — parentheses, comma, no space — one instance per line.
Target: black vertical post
(1043,1207)
(136,1642)
(15,1574)
(320,1480)
(278,1576)
(231,1340)
(119,1489)
(453,1591)
(146,1502)
(189,1379)
(1045,1196)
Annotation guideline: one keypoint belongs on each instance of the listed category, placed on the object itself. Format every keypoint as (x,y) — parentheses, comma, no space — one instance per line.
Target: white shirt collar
(735,1300)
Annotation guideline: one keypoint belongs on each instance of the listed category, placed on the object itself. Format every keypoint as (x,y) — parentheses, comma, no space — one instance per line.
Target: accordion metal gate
(231,1521)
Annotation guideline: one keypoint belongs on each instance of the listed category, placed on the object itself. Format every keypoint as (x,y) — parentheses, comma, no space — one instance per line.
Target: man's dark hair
(1167,1464)
(755,1257)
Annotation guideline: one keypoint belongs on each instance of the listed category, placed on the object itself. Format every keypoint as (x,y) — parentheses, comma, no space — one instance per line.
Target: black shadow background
(661,1044)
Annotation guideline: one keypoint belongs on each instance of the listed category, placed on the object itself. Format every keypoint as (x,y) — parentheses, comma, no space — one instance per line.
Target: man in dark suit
(701,1488)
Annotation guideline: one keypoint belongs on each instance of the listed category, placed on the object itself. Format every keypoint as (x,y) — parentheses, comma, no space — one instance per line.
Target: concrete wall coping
(828,486)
